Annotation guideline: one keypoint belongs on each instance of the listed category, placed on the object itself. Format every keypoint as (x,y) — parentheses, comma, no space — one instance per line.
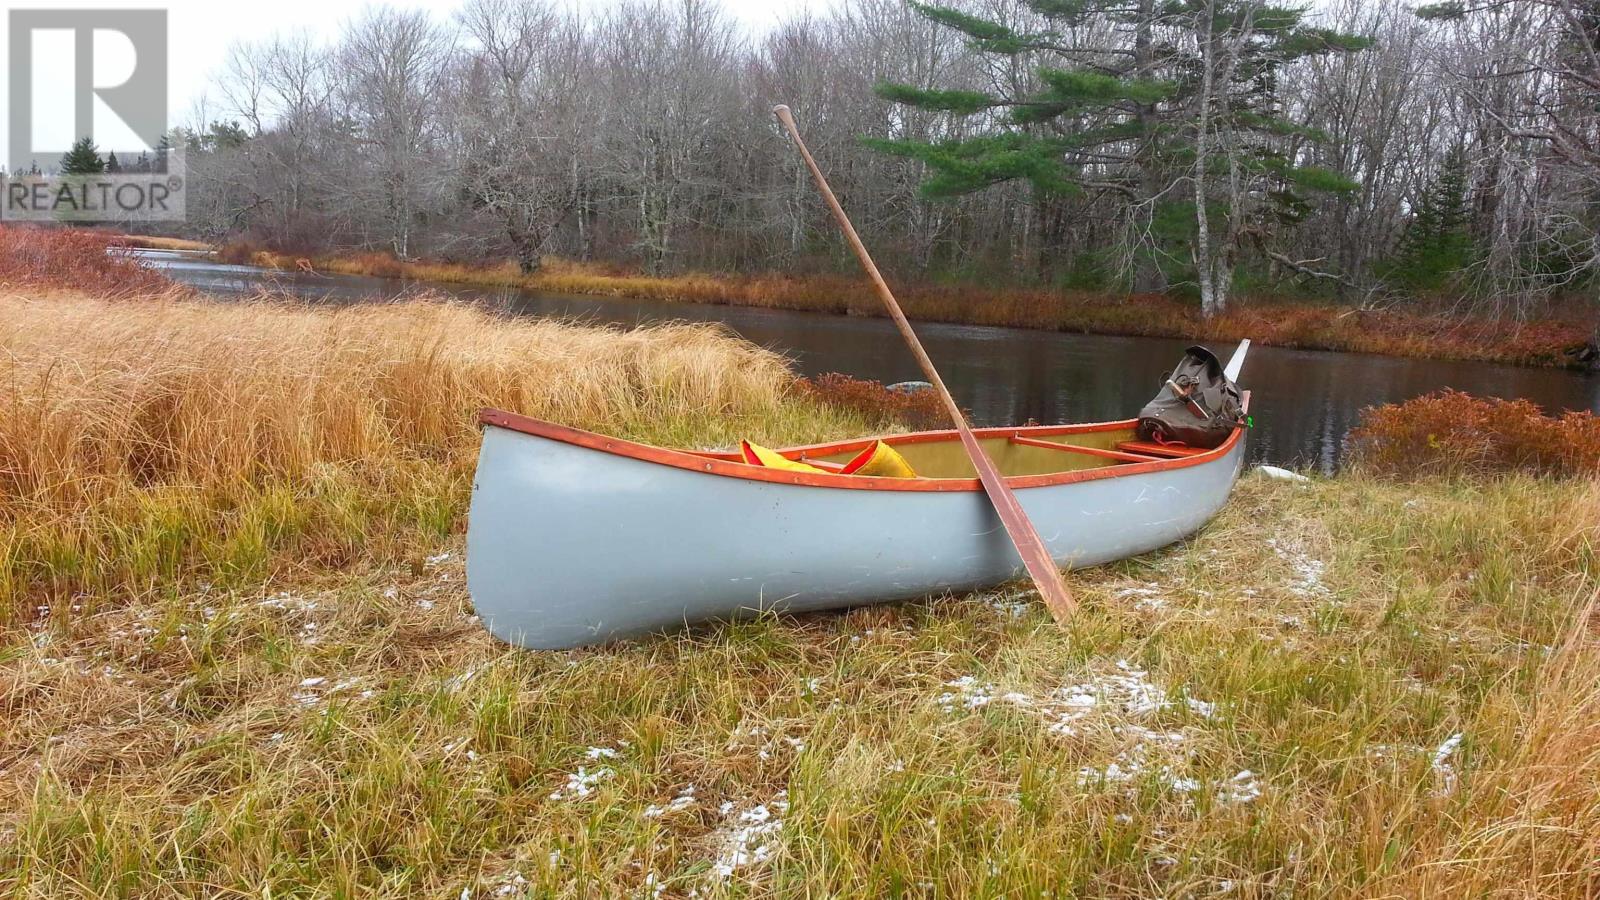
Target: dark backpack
(1197,407)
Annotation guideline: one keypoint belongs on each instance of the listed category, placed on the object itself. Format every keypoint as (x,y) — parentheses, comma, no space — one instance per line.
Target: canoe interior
(948,459)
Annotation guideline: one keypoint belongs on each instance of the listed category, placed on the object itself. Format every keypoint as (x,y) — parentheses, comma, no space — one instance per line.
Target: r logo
(140,101)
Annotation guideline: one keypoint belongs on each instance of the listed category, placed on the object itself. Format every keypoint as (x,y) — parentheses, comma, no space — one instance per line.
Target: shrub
(72,258)
(239,253)
(1451,433)
(919,410)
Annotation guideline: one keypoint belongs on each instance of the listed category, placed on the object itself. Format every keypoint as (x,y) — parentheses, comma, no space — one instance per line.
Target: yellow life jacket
(757,455)
(879,460)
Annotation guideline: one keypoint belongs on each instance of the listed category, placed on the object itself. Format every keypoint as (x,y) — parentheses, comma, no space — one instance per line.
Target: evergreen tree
(1437,242)
(112,165)
(225,136)
(1125,115)
(82,159)
(163,148)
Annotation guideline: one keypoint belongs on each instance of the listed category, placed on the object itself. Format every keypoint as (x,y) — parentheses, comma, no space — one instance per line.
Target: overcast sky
(200,32)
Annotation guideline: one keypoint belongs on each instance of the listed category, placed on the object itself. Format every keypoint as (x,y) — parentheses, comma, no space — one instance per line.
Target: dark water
(1304,401)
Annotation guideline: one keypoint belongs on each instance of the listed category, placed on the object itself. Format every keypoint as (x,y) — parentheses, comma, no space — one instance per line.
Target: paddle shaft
(1046,575)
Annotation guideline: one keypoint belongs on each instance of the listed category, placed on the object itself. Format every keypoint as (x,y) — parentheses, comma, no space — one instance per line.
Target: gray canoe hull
(570,545)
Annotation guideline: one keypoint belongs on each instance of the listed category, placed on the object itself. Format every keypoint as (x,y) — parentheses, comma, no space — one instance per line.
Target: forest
(1368,152)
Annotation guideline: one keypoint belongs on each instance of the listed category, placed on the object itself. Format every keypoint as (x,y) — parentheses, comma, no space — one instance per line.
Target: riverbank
(1548,343)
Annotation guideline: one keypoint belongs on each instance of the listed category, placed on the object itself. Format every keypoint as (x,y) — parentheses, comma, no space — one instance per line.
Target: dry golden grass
(152,242)
(1407,673)
(141,438)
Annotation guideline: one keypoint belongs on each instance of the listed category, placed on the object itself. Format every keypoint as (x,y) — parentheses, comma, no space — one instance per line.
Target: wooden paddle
(1029,546)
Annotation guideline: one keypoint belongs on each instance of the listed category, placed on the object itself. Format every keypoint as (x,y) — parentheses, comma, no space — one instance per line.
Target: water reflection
(1304,402)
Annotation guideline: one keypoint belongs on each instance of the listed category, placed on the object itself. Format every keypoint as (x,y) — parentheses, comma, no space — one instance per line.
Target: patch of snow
(511,883)
(1241,788)
(582,783)
(1441,762)
(682,801)
(1126,692)
(309,695)
(457,682)
(1308,570)
(1009,606)
(969,693)
(1120,699)
(288,601)
(751,838)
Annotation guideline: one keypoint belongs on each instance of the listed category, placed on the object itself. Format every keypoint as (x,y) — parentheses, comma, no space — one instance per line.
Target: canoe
(577,538)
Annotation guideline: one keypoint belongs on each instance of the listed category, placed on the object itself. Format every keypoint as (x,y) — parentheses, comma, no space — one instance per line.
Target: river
(1304,402)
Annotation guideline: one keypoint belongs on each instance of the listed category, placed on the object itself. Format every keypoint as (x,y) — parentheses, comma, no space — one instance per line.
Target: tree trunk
(1213,297)
(1147,275)
(529,260)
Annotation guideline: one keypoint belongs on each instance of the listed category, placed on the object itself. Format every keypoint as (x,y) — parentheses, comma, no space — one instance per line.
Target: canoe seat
(1164,451)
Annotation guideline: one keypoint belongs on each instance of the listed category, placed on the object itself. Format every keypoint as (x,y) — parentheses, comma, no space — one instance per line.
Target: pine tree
(1123,115)
(82,159)
(113,166)
(1437,243)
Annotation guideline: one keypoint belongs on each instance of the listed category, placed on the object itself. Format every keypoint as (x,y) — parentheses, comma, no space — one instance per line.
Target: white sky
(200,32)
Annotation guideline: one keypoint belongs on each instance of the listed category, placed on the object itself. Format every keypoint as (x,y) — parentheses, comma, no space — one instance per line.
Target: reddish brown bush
(1451,433)
(238,253)
(33,257)
(917,409)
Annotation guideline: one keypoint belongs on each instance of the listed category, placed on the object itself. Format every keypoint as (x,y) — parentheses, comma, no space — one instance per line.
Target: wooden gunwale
(715,464)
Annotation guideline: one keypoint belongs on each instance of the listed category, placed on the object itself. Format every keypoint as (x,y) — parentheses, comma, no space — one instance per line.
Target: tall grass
(144,438)
(1396,332)
(158,242)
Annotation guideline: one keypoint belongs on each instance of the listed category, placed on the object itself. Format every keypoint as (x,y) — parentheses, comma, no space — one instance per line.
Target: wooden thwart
(1035,555)
(1166,451)
(1117,455)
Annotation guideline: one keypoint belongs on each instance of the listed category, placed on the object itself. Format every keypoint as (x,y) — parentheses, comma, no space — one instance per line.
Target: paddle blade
(1236,364)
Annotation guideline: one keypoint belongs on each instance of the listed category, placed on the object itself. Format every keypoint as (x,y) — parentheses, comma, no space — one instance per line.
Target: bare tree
(392,65)
(640,133)
(523,119)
